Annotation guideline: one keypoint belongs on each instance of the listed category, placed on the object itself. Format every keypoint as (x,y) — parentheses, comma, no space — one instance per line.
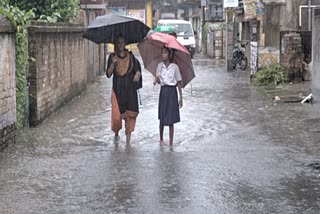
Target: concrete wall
(284,17)
(279,18)
(58,72)
(316,56)
(290,15)
(7,84)
(272,26)
(93,53)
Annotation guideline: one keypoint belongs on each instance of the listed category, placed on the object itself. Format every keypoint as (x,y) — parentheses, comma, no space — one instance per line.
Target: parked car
(184,32)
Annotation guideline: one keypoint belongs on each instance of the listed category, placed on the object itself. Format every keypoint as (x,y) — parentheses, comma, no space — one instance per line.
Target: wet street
(235,151)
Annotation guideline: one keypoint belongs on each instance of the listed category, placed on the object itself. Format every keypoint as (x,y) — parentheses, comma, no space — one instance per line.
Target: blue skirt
(168,109)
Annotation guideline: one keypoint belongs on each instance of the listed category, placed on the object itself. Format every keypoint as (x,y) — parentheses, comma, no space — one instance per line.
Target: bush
(271,75)
(49,10)
(3,3)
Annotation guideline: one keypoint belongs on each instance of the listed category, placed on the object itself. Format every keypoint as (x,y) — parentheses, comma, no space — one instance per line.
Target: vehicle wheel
(234,58)
(239,65)
(244,63)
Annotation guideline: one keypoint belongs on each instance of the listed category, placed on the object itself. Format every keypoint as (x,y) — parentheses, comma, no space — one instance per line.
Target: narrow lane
(235,151)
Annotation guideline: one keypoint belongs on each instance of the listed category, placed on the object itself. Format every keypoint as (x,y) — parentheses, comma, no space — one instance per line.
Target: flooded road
(235,151)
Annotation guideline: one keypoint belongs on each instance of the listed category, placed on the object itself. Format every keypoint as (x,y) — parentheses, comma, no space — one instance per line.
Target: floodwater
(235,151)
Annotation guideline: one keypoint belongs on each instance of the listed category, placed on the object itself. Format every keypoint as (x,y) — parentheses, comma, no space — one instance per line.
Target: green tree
(49,10)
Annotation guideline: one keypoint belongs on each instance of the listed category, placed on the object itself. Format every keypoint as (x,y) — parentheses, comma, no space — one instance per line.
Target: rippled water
(235,151)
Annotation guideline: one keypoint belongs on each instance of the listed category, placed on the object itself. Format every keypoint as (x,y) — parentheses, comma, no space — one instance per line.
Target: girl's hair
(171,52)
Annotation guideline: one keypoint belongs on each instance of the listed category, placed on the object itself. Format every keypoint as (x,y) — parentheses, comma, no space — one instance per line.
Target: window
(215,12)
(182,29)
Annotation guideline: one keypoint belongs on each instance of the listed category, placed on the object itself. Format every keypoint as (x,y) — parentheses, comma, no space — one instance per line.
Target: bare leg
(171,132)
(116,136)
(128,137)
(161,127)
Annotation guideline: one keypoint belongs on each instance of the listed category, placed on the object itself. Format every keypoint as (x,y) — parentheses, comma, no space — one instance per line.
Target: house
(135,8)
(206,18)
(273,25)
(90,9)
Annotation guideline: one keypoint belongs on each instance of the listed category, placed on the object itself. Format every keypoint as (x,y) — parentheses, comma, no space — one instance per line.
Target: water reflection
(124,177)
(170,189)
(301,193)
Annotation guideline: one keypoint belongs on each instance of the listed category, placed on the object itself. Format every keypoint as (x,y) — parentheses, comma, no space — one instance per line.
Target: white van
(184,31)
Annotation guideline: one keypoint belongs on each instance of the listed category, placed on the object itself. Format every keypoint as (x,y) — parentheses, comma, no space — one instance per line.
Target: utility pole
(309,15)
(203,26)
(229,40)
(203,5)
(203,17)
(228,5)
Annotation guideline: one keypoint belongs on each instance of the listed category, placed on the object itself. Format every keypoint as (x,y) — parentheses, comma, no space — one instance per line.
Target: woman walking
(126,71)
(169,77)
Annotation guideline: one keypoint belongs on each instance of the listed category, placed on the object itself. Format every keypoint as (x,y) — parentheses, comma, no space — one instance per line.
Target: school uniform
(168,108)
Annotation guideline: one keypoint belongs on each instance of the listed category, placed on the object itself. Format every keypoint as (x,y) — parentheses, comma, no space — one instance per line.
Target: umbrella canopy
(164,29)
(150,50)
(106,28)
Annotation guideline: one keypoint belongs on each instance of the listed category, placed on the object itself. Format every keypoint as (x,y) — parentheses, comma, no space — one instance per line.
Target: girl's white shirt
(168,75)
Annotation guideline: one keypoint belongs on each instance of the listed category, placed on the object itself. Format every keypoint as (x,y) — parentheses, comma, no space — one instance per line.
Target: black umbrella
(105,29)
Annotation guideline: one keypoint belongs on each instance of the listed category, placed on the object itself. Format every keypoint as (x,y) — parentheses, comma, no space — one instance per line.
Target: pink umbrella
(150,50)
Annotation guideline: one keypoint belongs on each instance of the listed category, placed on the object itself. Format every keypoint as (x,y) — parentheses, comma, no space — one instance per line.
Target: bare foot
(161,142)
(116,138)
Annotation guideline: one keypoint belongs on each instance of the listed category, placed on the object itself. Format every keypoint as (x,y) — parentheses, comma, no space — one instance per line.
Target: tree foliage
(3,3)
(49,10)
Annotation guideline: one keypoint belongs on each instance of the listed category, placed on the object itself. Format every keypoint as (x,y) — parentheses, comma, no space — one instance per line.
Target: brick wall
(58,72)
(292,57)
(7,84)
